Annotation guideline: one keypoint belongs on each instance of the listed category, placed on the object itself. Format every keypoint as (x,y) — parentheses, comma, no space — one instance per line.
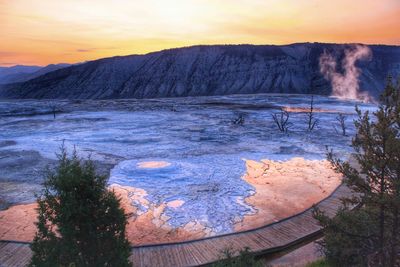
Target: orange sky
(52,31)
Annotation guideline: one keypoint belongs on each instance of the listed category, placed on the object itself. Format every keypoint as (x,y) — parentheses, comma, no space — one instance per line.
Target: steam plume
(346,84)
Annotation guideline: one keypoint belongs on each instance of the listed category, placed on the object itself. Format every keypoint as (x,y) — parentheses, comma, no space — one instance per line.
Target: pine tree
(80,222)
(369,232)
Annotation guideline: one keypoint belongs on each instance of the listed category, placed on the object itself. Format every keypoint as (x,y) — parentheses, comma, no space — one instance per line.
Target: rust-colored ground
(286,188)
(305,110)
(282,189)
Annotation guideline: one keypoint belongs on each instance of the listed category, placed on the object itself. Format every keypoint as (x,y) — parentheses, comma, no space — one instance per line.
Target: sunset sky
(40,32)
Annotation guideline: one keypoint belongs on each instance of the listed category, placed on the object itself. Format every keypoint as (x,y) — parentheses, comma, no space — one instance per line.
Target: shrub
(80,222)
(243,258)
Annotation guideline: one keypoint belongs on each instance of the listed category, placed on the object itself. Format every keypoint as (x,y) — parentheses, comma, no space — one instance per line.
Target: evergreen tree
(80,222)
(368,234)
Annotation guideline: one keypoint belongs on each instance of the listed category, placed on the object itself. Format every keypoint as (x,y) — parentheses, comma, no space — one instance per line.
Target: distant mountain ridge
(207,70)
(21,73)
(16,70)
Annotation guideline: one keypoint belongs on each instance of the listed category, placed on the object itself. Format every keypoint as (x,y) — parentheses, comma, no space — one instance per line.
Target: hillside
(7,73)
(207,70)
(25,73)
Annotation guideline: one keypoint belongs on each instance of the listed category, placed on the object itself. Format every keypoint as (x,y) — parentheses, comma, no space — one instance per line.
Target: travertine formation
(281,189)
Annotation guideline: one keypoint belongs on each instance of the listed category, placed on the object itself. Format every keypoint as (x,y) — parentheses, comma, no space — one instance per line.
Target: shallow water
(196,136)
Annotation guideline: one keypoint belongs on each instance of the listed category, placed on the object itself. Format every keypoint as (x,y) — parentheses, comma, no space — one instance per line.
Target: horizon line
(195,45)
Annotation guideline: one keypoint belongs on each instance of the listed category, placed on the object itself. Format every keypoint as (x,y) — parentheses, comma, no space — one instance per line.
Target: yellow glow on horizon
(48,31)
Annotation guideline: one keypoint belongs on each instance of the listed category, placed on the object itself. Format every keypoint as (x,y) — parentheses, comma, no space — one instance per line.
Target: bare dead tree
(281,120)
(311,120)
(341,118)
(239,120)
(54,107)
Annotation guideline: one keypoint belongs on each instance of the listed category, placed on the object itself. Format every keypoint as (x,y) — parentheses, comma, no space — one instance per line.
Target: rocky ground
(22,174)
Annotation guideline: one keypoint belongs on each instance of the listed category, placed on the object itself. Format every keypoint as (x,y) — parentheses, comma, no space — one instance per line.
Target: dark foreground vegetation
(232,258)
(365,231)
(80,222)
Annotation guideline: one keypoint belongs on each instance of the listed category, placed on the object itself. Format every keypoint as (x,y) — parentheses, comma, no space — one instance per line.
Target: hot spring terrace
(268,240)
(183,169)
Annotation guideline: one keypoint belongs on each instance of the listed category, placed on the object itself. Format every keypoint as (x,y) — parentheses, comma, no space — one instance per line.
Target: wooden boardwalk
(266,240)
(14,254)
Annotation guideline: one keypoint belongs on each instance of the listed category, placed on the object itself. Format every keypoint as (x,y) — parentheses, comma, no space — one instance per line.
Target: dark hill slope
(206,70)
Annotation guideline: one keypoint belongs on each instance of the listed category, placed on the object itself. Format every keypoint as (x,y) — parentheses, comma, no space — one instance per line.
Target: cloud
(85,50)
(8,64)
(7,54)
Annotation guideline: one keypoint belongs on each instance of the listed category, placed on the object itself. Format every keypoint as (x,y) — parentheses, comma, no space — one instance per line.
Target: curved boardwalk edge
(269,239)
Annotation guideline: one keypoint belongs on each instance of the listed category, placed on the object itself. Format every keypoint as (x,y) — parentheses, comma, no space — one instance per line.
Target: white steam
(345,85)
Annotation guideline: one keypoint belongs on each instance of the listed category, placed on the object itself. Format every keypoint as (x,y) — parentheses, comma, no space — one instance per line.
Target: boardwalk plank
(9,251)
